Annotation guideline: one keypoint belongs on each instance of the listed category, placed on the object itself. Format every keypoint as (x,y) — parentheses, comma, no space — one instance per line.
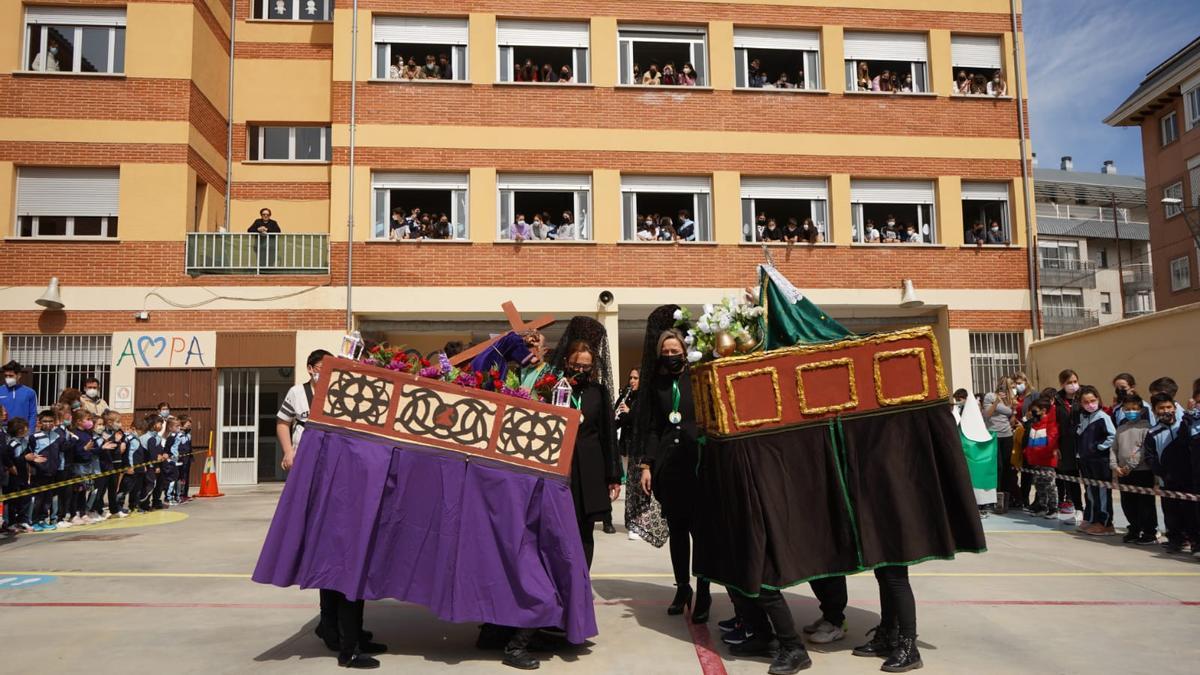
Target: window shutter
(421,30)
(891,191)
(784,188)
(886,46)
(531,181)
(666,184)
(975,51)
(772,38)
(44,191)
(542,33)
(985,191)
(420,181)
(76,16)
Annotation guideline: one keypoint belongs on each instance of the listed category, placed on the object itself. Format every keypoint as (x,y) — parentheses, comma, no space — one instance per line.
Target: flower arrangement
(391,357)
(724,329)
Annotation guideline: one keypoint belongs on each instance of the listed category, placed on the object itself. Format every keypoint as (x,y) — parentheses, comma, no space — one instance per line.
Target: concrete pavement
(174,596)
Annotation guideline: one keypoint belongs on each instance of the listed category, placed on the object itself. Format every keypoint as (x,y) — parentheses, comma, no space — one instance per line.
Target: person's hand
(1190,405)
(614,491)
(39,460)
(288,458)
(645,481)
(623,408)
(129,471)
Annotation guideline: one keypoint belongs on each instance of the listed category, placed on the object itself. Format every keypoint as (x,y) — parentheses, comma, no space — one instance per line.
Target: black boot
(357,660)
(791,659)
(882,643)
(516,652)
(683,598)
(703,603)
(329,635)
(904,657)
(608,527)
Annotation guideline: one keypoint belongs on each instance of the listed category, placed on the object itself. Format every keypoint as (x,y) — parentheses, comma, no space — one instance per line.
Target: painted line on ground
(711,662)
(618,576)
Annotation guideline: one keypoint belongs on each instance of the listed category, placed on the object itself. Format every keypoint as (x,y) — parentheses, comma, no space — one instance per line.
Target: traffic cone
(208,482)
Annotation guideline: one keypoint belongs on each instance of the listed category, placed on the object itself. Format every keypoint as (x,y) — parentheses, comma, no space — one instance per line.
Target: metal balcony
(1059,320)
(1137,277)
(228,253)
(1066,272)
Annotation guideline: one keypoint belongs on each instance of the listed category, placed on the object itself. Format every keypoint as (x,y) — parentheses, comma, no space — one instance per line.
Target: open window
(292,10)
(663,208)
(978,67)
(767,58)
(419,205)
(54,202)
(646,52)
(74,40)
(781,200)
(425,49)
(542,51)
(893,211)
(561,201)
(886,62)
(986,204)
(289,144)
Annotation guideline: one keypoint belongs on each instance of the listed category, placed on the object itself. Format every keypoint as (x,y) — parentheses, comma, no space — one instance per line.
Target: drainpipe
(1025,179)
(229,116)
(350,205)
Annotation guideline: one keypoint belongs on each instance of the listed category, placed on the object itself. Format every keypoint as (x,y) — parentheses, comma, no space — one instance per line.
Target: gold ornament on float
(724,344)
(746,342)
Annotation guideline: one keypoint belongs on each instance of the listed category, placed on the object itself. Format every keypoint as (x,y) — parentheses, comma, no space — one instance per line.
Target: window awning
(985,191)
(543,181)
(420,181)
(420,30)
(666,184)
(76,16)
(784,188)
(891,192)
(55,191)
(542,33)
(975,51)
(886,46)
(775,38)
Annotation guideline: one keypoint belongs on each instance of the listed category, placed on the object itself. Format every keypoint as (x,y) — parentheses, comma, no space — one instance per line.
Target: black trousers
(42,501)
(680,530)
(1139,509)
(1070,490)
(832,596)
(768,614)
(587,533)
(1006,475)
(897,606)
(337,611)
(1179,516)
(65,495)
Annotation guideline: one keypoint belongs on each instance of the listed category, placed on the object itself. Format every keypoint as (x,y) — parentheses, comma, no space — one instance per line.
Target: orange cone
(208,482)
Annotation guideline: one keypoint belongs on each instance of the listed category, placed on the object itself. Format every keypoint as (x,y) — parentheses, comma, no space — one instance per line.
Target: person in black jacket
(1067,410)
(265,226)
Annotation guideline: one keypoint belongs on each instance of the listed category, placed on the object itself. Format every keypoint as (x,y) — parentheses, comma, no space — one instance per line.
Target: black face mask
(673,363)
(580,377)
(1167,419)
(1035,416)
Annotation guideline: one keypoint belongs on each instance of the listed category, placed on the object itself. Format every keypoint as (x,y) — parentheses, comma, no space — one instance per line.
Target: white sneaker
(825,633)
(64,524)
(78,520)
(122,514)
(26,527)
(94,517)
(86,520)
(633,536)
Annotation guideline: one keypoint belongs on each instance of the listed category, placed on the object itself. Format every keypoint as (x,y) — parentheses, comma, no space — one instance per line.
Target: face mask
(995,229)
(1020,389)
(687,71)
(649,223)
(891,222)
(1167,418)
(1132,415)
(76,405)
(564,74)
(673,363)
(316,377)
(10,381)
(87,424)
(1035,416)
(1091,407)
(164,413)
(93,393)
(581,376)
(1071,388)
(1013,391)
(54,50)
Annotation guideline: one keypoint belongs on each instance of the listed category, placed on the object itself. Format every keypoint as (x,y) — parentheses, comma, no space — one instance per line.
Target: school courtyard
(170,592)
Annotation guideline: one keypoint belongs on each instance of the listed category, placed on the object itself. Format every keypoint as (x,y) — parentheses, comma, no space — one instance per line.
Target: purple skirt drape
(471,540)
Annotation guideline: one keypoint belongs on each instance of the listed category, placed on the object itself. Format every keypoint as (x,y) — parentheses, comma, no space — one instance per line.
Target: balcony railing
(1059,320)
(1087,212)
(1069,272)
(1137,276)
(226,253)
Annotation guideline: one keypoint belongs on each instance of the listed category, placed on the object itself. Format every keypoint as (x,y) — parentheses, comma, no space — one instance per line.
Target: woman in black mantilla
(582,355)
(665,424)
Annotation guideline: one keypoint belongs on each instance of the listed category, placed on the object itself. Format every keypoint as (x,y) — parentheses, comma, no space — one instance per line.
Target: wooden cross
(515,322)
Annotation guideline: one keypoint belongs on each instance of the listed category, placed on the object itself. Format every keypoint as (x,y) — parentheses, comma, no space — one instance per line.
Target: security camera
(606,298)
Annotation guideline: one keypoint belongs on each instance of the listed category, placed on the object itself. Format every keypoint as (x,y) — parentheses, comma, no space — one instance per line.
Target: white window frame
(975,52)
(1174,190)
(459,52)
(1168,128)
(695,37)
(815,191)
(1191,103)
(918,67)
(1181,274)
(35,234)
(701,203)
(990,192)
(77,19)
(580,186)
(580,51)
(291,158)
(89,192)
(994,355)
(745,39)
(264,6)
(1106,302)
(458,184)
(928,230)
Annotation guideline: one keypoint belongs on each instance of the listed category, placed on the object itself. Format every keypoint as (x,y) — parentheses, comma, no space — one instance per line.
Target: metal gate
(237,434)
(185,390)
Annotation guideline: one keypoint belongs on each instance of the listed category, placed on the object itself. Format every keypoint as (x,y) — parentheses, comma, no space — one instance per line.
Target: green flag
(788,317)
(980,448)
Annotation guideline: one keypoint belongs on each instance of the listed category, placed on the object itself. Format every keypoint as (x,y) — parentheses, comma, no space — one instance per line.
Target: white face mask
(995,228)
(164,413)
(93,393)
(315,376)
(10,381)
(1020,388)
(1071,388)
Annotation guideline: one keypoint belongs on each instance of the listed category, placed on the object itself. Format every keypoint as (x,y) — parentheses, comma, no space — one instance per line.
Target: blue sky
(1084,58)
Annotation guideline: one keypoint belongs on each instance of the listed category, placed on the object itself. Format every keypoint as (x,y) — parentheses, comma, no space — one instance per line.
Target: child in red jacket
(1041,454)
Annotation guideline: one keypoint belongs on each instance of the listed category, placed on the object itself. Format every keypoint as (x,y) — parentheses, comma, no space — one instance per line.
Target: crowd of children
(124,470)
(1070,433)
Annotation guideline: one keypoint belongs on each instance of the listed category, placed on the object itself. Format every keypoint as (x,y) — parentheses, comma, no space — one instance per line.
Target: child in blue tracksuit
(134,477)
(170,469)
(1166,450)
(185,457)
(42,457)
(150,449)
(1093,438)
(16,511)
(1191,431)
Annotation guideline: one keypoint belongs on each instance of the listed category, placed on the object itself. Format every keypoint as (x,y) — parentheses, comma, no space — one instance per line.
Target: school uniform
(170,469)
(64,497)
(157,471)
(16,511)
(148,447)
(106,486)
(131,483)
(184,464)
(1094,436)
(1127,452)
(1067,412)
(46,444)
(1167,450)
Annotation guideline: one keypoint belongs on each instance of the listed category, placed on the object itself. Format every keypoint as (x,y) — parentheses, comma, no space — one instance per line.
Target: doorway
(248,400)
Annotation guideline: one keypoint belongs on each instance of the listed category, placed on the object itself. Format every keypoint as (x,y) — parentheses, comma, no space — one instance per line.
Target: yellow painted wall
(8,192)
(284,90)
(312,32)
(949,210)
(727,207)
(154,201)
(12,25)
(210,62)
(720,54)
(481,48)
(1017,206)
(338,195)
(261,172)
(481,198)
(156,40)
(833,51)
(606,205)
(340,35)
(211,154)
(941,75)
(604,51)
(840,217)
(307,216)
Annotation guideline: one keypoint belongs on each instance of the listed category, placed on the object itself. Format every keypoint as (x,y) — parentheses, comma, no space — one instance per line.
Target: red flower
(425,363)
(374,350)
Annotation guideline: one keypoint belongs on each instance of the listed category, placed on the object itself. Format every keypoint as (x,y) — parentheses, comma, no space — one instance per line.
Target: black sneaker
(737,636)
(760,645)
(520,659)
(1130,536)
(609,529)
(790,660)
(356,660)
(729,625)
(1148,538)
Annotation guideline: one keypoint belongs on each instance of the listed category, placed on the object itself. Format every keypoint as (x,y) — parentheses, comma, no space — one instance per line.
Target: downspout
(350,205)
(1034,317)
(229,116)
